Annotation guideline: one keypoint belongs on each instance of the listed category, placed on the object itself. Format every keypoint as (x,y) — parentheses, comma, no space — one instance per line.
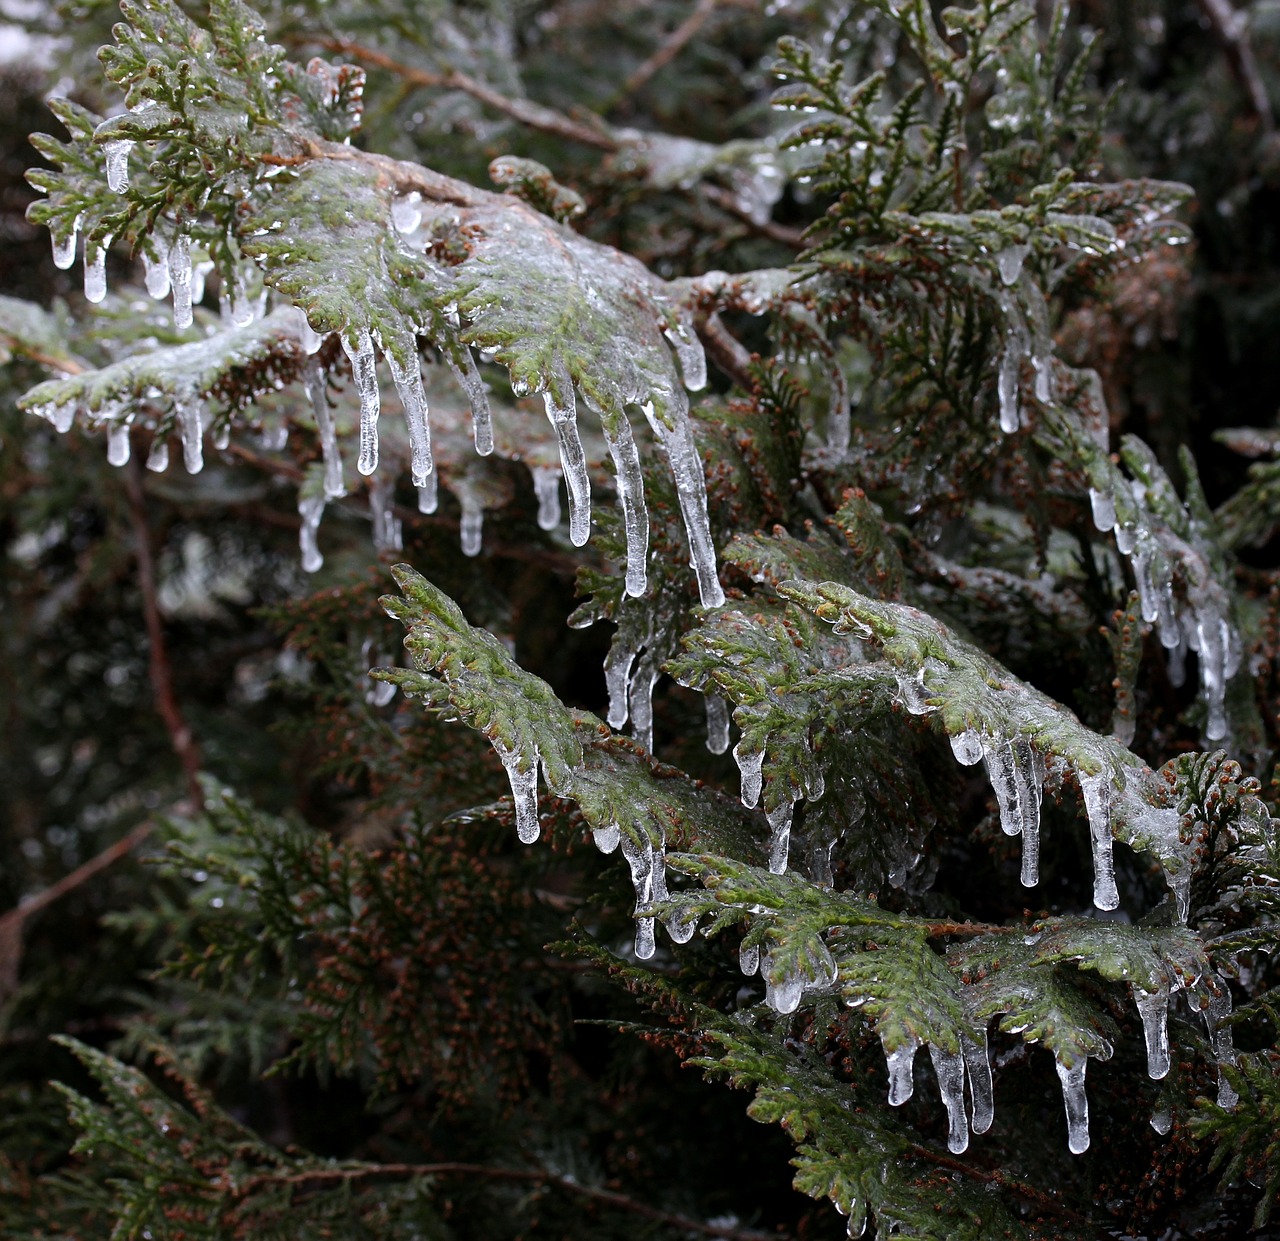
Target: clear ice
(156,271)
(573,461)
(606,838)
(693,360)
(948,1066)
(1096,791)
(408,381)
(1103,504)
(314,384)
(64,248)
(750,765)
(717,724)
(900,1063)
(779,836)
(180,280)
(1010,261)
(1007,390)
(749,958)
(118,442)
(387,534)
(472,383)
(117,156)
(524,791)
(190,415)
(1016,770)
(1076,1103)
(95,271)
(546,486)
(635,513)
(967,747)
(1220,1039)
(648,878)
(158,457)
(977,1063)
(782,994)
(310,509)
(360,351)
(1153,1008)
(429,494)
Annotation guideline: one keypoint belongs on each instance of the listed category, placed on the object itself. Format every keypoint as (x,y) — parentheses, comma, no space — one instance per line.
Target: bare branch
(1229,25)
(671,46)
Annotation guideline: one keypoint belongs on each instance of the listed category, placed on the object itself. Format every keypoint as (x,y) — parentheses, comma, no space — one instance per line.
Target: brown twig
(726,351)
(161,672)
(670,47)
(1229,26)
(728,1232)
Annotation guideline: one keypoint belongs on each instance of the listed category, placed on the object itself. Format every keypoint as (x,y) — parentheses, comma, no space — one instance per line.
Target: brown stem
(161,672)
(726,351)
(609,1197)
(1229,26)
(670,47)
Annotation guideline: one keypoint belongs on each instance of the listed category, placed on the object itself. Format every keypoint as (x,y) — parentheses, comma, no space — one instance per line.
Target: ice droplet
(314,385)
(977,1062)
(158,457)
(360,351)
(779,836)
(1103,504)
(406,213)
(967,747)
(607,837)
(180,280)
(749,958)
(95,271)
(911,690)
(750,766)
(899,1062)
(1010,260)
(310,509)
(948,1067)
(118,442)
(407,378)
(1076,1103)
(573,461)
(117,157)
(308,337)
(717,724)
(1095,791)
(1162,1120)
(190,415)
(782,991)
(546,486)
(1153,1008)
(429,494)
(472,383)
(635,513)
(64,248)
(523,777)
(156,271)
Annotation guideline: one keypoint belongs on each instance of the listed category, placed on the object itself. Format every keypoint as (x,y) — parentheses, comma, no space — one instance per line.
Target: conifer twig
(610,1197)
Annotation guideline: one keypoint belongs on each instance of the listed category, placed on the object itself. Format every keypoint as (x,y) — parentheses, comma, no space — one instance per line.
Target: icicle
(310,509)
(607,837)
(429,494)
(641,705)
(1103,504)
(967,747)
(198,273)
(617,679)
(1007,390)
(645,868)
(118,442)
(308,337)
(681,926)
(408,382)
(635,514)
(524,791)
(1214,639)
(158,457)
(564,418)
(387,533)
(781,994)
(1076,1103)
(180,280)
(779,836)
(191,427)
(1000,771)
(1010,260)
(977,1062)
(1097,804)
(750,766)
(1162,1119)
(693,360)
(1043,368)
(360,351)
(1142,572)
(64,249)
(156,270)
(471,522)
(95,271)
(117,156)
(948,1066)
(222,435)
(1126,538)
(717,724)
(1221,1041)
(691,489)
(899,1063)
(240,307)
(468,376)
(839,415)
(406,214)
(546,486)
(314,385)
(749,959)
(1153,1008)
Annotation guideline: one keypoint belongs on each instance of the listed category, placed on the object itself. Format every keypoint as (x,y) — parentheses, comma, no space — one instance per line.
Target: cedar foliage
(876,350)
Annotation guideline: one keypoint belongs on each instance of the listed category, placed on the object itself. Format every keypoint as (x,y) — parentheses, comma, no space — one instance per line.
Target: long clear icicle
(118,442)
(156,271)
(311,510)
(635,513)
(640,702)
(408,381)
(524,791)
(546,486)
(750,766)
(158,457)
(564,418)
(899,1064)
(1016,776)
(1220,1039)
(117,157)
(693,359)
(64,248)
(387,533)
(468,376)
(948,1067)
(782,994)
(1153,1008)
(648,878)
(1097,804)
(360,351)
(95,271)
(977,1063)
(717,724)
(617,680)
(1103,504)
(1076,1103)
(190,416)
(180,280)
(779,836)
(314,384)
(749,958)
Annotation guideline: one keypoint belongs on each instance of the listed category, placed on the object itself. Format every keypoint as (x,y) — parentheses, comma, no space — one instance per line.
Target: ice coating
(648,878)
(573,461)
(606,837)
(311,510)
(64,248)
(693,360)
(407,377)
(717,724)
(635,513)
(1103,504)
(118,442)
(948,1067)
(468,376)
(360,351)
(190,416)
(751,768)
(1076,1103)
(911,691)
(1095,791)
(546,486)
(782,994)
(967,747)
(1010,261)
(749,958)
(523,777)
(158,457)
(95,271)
(977,1063)
(314,385)
(899,1063)
(779,836)
(387,534)
(1220,1039)
(156,271)
(1153,1008)
(180,280)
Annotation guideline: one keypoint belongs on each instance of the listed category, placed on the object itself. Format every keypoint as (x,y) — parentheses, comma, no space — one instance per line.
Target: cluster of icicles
(173,273)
